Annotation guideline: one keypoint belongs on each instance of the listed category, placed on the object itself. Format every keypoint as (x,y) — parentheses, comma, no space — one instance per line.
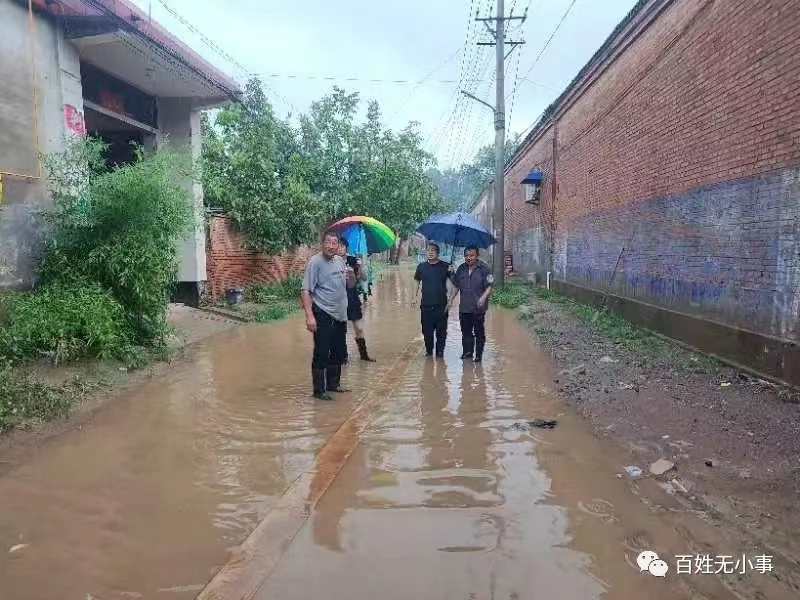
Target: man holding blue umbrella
(473,279)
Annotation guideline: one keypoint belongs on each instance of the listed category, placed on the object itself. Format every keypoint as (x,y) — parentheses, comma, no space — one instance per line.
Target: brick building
(672,176)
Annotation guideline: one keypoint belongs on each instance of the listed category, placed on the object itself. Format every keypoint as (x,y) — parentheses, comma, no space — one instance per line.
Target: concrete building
(671,178)
(69,67)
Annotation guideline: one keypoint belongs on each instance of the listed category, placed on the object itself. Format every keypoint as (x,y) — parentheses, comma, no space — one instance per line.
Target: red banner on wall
(73,119)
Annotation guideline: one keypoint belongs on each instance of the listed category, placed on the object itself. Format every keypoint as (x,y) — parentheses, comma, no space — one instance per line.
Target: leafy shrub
(64,322)
(291,286)
(275,312)
(119,229)
(265,293)
(510,296)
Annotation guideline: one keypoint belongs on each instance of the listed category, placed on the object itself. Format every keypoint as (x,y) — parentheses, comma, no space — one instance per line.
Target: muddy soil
(733,436)
(104,382)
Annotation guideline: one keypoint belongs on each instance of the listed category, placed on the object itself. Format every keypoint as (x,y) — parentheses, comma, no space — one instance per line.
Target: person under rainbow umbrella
(362,236)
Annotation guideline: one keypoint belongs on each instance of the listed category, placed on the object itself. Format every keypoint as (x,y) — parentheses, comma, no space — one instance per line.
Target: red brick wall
(529,228)
(229,261)
(708,93)
(677,166)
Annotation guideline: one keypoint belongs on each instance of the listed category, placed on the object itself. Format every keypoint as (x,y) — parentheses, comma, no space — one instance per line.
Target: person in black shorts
(431,296)
(354,312)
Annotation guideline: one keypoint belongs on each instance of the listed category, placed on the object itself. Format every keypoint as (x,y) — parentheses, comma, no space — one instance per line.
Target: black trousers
(473,332)
(330,341)
(434,321)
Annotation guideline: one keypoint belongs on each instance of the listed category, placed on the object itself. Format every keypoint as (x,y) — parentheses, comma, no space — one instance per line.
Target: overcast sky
(294,45)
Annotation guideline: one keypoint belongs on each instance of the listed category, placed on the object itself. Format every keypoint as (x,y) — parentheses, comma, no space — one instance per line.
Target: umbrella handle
(453,248)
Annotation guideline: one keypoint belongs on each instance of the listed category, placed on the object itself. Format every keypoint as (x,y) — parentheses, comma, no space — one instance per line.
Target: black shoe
(466,356)
(477,359)
(323,396)
(440,355)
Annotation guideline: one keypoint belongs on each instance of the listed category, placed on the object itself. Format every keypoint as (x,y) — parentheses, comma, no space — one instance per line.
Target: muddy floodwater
(224,479)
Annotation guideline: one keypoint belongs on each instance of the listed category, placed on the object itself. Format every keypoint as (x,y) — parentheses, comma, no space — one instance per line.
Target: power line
(221,52)
(406,102)
(470,35)
(516,77)
(204,38)
(550,39)
(416,82)
(466,108)
(470,67)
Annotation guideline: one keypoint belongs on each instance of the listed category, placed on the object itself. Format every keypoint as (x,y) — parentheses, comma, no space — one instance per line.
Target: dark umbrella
(457,229)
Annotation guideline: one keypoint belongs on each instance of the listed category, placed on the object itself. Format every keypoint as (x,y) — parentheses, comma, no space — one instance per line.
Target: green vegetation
(460,187)
(281,184)
(104,283)
(645,344)
(263,293)
(274,301)
(511,295)
(24,399)
(275,311)
(117,229)
(63,322)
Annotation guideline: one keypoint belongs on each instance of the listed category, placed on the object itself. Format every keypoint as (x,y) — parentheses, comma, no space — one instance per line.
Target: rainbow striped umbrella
(364,235)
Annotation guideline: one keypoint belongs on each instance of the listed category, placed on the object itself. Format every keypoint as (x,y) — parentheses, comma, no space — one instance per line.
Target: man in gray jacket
(324,299)
(474,281)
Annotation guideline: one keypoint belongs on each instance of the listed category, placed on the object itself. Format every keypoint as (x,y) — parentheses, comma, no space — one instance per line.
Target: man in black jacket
(431,296)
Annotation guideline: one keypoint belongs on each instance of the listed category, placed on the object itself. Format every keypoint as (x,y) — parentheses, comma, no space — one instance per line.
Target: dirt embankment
(733,437)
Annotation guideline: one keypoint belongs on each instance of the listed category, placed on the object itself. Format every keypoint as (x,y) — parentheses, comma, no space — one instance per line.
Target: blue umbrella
(457,229)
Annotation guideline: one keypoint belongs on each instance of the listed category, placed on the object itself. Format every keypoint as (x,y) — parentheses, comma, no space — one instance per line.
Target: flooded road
(224,479)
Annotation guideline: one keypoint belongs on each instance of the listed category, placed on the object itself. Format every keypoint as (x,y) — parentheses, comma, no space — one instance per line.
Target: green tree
(280,185)
(460,187)
(365,168)
(254,170)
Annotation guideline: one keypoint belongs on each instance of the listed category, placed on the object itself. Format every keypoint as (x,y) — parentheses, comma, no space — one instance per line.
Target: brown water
(412,487)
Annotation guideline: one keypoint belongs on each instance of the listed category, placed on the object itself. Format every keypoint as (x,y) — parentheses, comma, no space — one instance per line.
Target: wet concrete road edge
(251,565)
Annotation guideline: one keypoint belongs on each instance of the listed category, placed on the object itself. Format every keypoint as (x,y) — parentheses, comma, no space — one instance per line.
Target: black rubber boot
(479,344)
(334,376)
(318,377)
(362,350)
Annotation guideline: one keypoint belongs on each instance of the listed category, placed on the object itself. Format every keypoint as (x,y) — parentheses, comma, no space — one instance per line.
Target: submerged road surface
(223,479)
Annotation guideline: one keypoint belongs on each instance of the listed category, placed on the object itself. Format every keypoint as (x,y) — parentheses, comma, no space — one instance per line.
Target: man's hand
(311,324)
(481,302)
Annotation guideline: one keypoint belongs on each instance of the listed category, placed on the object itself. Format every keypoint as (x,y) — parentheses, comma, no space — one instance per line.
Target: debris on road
(182,589)
(677,483)
(633,471)
(536,423)
(579,370)
(661,467)
(709,462)
(17,548)
(608,360)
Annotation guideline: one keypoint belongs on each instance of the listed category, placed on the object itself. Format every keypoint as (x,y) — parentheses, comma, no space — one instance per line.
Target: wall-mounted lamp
(533,186)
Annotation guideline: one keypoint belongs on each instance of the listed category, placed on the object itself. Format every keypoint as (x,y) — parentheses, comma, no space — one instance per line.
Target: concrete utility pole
(499,33)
